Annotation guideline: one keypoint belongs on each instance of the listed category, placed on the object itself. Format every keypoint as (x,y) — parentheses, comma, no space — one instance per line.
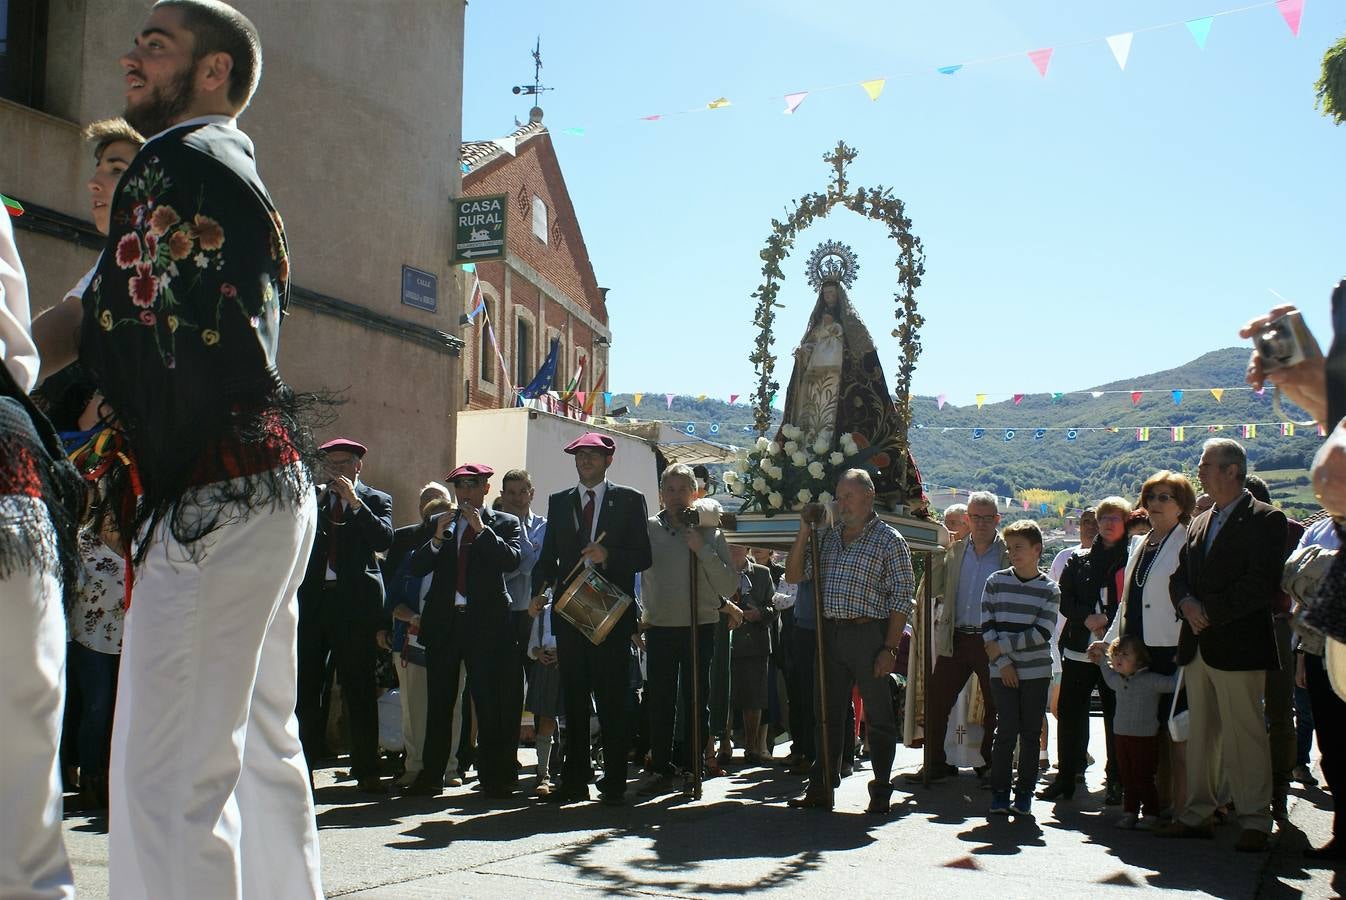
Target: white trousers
(209,791)
(33,863)
(411,687)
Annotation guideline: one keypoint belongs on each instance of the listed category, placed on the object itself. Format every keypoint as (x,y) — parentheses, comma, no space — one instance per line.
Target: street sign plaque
(420,289)
(479,228)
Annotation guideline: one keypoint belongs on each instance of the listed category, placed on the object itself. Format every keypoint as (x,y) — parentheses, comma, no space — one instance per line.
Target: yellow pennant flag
(981,398)
(700,397)
(873,88)
(1060,510)
(1217,393)
(637,398)
(718,104)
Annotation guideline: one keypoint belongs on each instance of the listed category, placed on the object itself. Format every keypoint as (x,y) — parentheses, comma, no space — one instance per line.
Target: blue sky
(1078,229)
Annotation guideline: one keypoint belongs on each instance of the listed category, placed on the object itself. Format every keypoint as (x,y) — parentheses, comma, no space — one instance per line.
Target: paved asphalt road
(741,838)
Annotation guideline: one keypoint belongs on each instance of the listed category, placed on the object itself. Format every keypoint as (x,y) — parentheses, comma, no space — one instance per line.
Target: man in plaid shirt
(867,589)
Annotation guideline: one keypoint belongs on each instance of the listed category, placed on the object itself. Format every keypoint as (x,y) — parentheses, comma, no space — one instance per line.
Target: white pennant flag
(506,143)
(1120,44)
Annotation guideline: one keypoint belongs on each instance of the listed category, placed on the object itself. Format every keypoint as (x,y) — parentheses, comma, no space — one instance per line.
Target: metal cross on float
(839,159)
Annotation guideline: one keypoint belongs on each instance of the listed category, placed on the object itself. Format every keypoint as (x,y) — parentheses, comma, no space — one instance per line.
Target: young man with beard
(180,329)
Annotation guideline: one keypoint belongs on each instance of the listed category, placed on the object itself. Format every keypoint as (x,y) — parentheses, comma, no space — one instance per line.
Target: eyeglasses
(1112,520)
(1161,498)
(468,482)
(984,520)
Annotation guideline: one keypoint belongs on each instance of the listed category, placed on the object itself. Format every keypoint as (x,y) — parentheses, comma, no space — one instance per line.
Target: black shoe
(938,772)
(1058,790)
(658,785)
(880,797)
(424,786)
(1112,794)
(567,794)
(371,786)
(612,799)
(983,774)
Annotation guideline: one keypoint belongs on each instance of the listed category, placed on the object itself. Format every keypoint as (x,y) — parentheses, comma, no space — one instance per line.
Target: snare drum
(593,605)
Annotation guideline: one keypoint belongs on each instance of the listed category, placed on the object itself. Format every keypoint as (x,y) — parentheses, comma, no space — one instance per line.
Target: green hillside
(1098,463)
(1095,464)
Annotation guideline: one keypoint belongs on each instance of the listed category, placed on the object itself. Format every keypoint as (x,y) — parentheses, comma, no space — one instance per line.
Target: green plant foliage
(1331,85)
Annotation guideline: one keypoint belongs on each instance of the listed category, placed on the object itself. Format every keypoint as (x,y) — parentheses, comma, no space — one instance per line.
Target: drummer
(600,525)
(666,594)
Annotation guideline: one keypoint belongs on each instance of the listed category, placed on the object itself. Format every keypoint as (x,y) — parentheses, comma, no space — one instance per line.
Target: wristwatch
(892,650)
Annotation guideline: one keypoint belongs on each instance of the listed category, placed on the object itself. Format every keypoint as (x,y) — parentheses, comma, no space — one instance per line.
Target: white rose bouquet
(782,475)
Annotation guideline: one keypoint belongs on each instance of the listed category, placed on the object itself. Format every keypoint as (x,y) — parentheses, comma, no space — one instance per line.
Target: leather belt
(858,620)
(967,630)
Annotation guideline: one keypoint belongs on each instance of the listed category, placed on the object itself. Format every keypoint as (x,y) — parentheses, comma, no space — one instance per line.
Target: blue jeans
(1303,726)
(96,675)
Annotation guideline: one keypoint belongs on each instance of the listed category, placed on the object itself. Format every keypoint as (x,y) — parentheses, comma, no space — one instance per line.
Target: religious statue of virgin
(838,387)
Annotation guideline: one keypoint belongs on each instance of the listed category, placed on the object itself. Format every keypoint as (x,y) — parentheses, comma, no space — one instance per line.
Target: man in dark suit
(341,609)
(1224,589)
(602,525)
(466,618)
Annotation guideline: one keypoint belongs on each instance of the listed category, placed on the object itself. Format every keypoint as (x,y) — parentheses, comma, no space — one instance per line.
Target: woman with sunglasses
(1146,610)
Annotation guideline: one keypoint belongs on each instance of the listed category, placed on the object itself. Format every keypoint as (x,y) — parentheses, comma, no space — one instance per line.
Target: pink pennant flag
(941,400)
(650,118)
(1322,432)
(792,101)
(1025,502)
(732,398)
(1135,398)
(669,398)
(580,395)
(1291,12)
(1041,59)
(1018,398)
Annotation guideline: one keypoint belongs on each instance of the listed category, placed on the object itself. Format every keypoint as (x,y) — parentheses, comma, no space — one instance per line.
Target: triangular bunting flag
(873,88)
(635,401)
(1009,435)
(1057,395)
(1260,391)
(469,267)
(718,104)
(1135,398)
(1287,429)
(1322,432)
(607,400)
(1179,432)
(651,119)
(1060,511)
(1249,431)
(579,398)
(1291,11)
(949,70)
(699,398)
(1042,508)
(732,398)
(1039,434)
(574,132)
(1200,29)
(507,144)
(12,206)
(1142,434)
(1120,45)
(1071,434)
(792,101)
(1094,394)
(939,404)
(981,398)
(1025,509)
(1217,393)
(1018,398)
(978,433)
(669,399)
(1041,59)
(1177,398)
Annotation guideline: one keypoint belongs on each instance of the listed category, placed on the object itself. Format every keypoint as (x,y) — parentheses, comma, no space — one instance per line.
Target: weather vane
(536,88)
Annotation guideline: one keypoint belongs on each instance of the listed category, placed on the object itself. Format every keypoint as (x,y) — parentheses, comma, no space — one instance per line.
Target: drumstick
(597,540)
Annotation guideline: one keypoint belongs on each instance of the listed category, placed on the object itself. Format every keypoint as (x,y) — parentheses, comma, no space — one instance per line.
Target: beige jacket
(944,590)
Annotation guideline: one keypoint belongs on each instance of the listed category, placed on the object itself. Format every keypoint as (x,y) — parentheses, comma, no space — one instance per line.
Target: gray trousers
(851,649)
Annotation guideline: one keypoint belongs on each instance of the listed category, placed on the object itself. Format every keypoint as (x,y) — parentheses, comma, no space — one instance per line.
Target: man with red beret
(466,618)
(602,525)
(341,610)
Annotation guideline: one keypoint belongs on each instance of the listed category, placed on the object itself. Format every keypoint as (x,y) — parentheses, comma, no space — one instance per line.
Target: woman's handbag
(1178,722)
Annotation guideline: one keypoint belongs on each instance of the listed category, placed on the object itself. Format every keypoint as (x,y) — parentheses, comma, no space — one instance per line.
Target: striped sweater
(1020,616)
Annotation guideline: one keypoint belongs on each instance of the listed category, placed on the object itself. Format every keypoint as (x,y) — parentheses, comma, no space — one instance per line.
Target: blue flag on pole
(542,381)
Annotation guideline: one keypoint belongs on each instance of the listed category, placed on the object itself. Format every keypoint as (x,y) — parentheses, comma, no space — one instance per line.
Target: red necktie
(588,518)
(463,546)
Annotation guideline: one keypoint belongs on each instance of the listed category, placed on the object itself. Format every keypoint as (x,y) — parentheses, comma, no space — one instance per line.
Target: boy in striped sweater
(1018,616)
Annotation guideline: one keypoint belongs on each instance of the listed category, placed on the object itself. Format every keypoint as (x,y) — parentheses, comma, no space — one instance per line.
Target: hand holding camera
(1286,353)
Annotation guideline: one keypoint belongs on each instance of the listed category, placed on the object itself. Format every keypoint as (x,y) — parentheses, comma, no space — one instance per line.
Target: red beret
(592,441)
(470,470)
(345,444)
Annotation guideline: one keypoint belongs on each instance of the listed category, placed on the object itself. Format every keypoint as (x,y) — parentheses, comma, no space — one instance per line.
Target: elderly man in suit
(959,648)
(341,609)
(1224,589)
(466,618)
(601,525)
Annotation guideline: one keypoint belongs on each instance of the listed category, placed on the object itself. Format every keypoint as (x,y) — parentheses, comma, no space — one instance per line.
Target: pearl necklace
(1143,571)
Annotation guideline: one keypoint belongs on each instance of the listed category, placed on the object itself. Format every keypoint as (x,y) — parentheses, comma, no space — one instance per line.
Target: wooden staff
(926,637)
(694,707)
(821,664)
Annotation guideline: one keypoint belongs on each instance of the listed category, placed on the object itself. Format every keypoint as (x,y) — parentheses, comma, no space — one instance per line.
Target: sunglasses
(1162,498)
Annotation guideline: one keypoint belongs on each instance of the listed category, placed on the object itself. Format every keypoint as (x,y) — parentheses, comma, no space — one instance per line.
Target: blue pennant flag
(690,429)
(1039,434)
(978,433)
(1071,434)
(1009,435)
(714,429)
(542,381)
